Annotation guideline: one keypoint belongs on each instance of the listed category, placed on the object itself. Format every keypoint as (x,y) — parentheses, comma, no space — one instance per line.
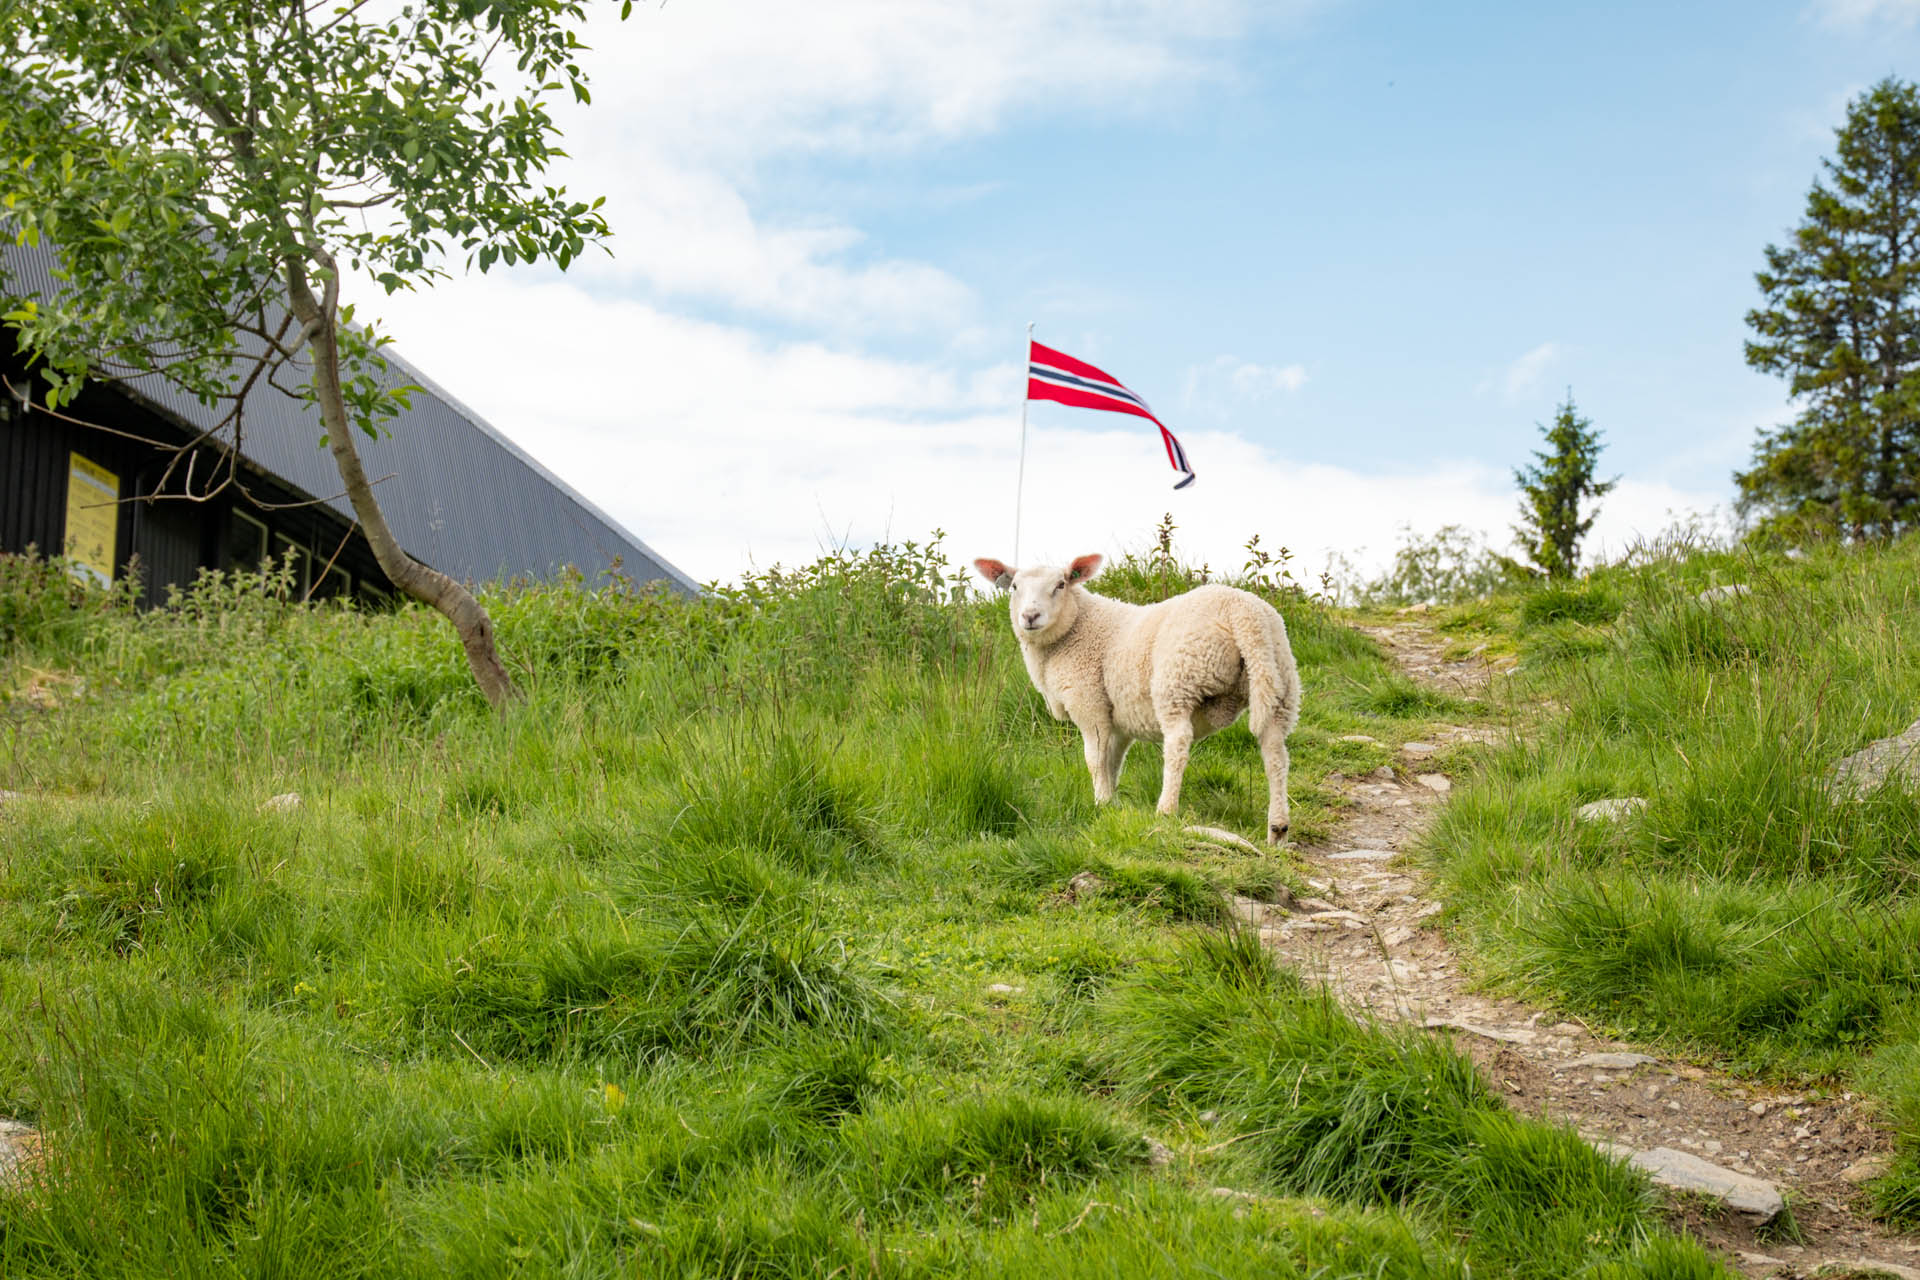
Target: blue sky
(1352,251)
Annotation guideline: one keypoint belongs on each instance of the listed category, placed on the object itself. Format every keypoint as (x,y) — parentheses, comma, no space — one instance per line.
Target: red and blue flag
(1057,376)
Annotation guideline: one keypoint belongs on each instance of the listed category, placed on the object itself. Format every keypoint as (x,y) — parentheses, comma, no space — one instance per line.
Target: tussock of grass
(1326,1106)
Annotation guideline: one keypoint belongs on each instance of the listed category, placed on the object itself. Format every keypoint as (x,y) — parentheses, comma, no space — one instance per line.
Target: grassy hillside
(1747,915)
(759,941)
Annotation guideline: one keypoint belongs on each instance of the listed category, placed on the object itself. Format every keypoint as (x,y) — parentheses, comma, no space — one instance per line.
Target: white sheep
(1171,672)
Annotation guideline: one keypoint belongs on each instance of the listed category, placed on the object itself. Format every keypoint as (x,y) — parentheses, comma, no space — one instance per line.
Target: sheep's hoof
(1277,832)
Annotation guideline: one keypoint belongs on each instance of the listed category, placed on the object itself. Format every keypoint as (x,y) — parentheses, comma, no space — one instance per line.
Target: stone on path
(1611,810)
(1417,750)
(1363,855)
(1863,771)
(1254,912)
(1437,782)
(1221,836)
(1611,1061)
(1506,1035)
(1867,1170)
(1753,1198)
(1865,1267)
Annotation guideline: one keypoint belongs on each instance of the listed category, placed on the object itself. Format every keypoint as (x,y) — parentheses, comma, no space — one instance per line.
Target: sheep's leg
(1273,754)
(1100,762)
(1116,757)
(1177,743)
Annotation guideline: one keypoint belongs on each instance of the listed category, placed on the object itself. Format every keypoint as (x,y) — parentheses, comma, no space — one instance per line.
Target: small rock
(1366,738)
(1431,909)
(1506,1035)
(1437,782)
(1758,1201)
(1084,885)
(1730,591)
(1002,989)
(1159,1154)
(1760,1260)
(1867,1170)
(1794,553)
(1310,905)
(1610,810)
(1249,911)
(1422,607)
(1384,773)
(1398,936)
(1418,750)
(286,802)
(19,1145)
(1220,836)
(1208,1117)
(1612,1061)
(1363,855)
(1867,1267)
(1758,1108)
(1865,770)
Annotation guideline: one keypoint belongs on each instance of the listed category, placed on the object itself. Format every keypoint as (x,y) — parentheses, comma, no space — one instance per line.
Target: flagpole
(1020,484)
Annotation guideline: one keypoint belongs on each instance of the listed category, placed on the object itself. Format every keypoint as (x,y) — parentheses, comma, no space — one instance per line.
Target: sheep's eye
(1060,586)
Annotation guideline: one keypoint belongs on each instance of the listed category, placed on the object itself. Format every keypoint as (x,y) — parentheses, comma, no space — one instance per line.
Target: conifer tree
(1840,323)
(1552,490)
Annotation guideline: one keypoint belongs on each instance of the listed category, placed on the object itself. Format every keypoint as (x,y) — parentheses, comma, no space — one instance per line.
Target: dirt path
(1376,943)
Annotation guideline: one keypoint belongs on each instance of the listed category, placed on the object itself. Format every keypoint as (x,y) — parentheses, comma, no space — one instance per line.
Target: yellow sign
(93,519)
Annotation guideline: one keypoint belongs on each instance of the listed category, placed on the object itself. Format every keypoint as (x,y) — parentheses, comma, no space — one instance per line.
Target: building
(105,482)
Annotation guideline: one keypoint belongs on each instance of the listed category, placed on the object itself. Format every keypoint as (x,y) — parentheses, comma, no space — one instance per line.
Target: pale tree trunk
(429,586)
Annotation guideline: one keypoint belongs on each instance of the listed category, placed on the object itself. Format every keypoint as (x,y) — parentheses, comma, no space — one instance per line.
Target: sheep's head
(1041,601)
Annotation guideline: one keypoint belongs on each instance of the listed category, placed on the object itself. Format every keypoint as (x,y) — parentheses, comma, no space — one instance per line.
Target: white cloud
(719,447)
(1228,386)
(748,77)
(692,99)
(1856,13)
(1525,377)
(691,234)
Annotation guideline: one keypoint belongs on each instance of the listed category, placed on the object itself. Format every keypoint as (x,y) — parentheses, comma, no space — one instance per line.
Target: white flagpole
(1019,486)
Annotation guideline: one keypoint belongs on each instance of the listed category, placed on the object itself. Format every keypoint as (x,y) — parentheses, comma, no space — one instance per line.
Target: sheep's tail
(1273,682)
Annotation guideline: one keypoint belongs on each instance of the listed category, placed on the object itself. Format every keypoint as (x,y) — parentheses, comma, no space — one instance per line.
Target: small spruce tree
(1552,490)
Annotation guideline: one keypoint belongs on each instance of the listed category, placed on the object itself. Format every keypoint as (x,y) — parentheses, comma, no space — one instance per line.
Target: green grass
(774,934)
(1747,916)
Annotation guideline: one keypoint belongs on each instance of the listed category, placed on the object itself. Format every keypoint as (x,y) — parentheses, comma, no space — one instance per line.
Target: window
(246,543)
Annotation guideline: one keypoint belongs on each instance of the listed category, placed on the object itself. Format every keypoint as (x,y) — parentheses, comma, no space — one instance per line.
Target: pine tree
(1553,488)
(1841,324)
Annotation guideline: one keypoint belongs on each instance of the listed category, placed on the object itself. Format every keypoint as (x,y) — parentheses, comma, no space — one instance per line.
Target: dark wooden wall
(169,538)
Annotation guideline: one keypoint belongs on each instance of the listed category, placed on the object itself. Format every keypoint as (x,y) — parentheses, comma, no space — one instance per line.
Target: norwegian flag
(1055,375)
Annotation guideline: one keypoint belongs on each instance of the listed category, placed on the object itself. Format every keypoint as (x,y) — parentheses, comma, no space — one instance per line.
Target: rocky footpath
(1742,1152)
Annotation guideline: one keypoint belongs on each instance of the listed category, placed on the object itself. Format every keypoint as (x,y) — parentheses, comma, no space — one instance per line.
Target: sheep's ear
(995,572)
(1083,568)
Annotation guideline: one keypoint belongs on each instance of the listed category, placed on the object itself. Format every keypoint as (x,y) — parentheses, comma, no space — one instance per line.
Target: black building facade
(105,481)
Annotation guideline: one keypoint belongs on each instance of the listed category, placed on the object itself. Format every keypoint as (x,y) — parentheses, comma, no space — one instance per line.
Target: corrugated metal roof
(459,494)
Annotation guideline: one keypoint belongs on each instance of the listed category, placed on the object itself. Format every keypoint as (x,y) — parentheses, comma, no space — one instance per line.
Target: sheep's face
(1041,601)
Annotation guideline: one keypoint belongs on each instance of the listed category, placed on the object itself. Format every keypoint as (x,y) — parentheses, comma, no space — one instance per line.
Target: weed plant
(1751,913)
(773,934)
